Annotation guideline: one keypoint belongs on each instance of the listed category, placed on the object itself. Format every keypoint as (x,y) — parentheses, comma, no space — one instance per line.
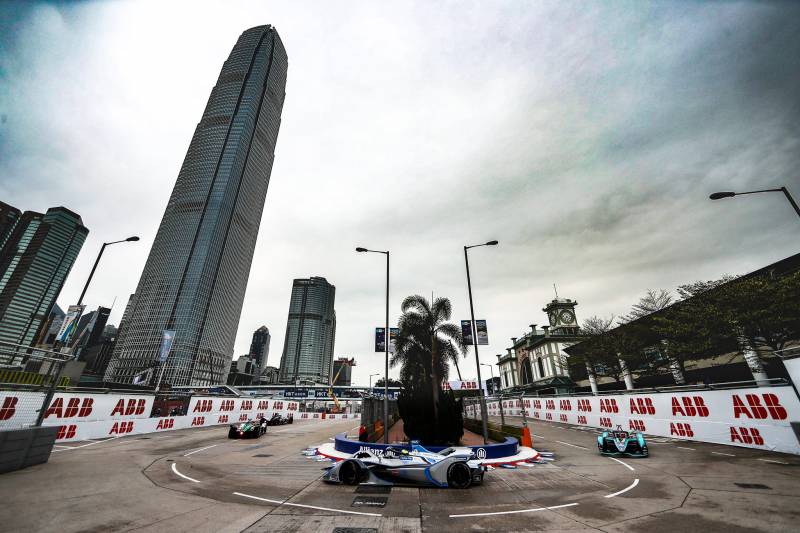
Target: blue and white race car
(454,467)
(621,442)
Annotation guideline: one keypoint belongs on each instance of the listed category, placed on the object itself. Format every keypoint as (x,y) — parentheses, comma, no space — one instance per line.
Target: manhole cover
(355,530)
(263,455)
(752,486)
(373,489)
(369,501)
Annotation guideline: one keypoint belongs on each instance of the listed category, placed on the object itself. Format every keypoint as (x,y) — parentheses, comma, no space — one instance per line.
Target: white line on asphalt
(626,489)
(773,461)
(514,512)
(684,448)
(280,502)
(85,445)
(537,436)
(626,465)
(174,469)
(200,450)
(720,453)
(573,445)
(61,446)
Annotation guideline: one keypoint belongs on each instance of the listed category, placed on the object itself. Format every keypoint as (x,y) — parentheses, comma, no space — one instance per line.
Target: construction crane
(344,362)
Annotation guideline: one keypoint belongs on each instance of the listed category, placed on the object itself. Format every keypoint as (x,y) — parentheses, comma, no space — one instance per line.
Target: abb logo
(689,406)
(263,404)
(74,407)
(582,420)
(261,415)
(642,406)
(277,406)
(548,416)
(133,407)
(772,407)
(246,405)
(550,404)
(636,425)
(66,432)
(563,418)
(536,414)
(681,429)
(227,405)
(565,405)
(609,405)
(292,406)
(198,421)
(203,406)
(584,406)
(528,404)
(222,419)
(303,415)
(537,404)
(9,407)
(166,423)
(605,422)
(120,428)
(243,418)
(746,436)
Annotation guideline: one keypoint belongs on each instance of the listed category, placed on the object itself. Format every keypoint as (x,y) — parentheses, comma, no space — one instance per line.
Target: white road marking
(514,512)
(684,448)
(283,502)
(626,489)
(200,450)
(573,445)
(773,461)
(85,445)
(174,469)
(626,465)
(537,436)
(720,453)
(61,446)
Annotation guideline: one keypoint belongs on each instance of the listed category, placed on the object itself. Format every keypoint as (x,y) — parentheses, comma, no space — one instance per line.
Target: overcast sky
(584,136)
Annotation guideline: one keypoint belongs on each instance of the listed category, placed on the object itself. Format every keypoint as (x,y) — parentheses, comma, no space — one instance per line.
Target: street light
(102,249)
(386,344)
(474,337)
(491,369)
(731,194)
(370,381)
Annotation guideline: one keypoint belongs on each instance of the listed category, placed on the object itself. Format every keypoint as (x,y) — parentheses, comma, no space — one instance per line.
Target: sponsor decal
(689,406)
(636,425)
(582,420)
(642,406)
(203,406)
(9,407)
(550,404)
(746,436)
(246,405)
(608,405)
(166,423)
(771,407)
(263,404)
(133,407)
(198,421)
(66,432)
(74,407)
(227,405)
(121,428)
(605,422)
(565,405)
(480,453)
(681,429)
(584,406)
(563,417)
(223,419)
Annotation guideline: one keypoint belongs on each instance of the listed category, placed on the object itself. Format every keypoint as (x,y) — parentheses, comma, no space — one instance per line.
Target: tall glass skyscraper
(196,274)
(259,347)
(37,254)
(310,332)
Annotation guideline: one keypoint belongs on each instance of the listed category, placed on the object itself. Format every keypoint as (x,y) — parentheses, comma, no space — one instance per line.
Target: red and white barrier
(753,418)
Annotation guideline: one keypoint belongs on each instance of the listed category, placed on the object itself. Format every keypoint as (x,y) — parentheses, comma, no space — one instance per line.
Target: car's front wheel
(459,476)
(349,473)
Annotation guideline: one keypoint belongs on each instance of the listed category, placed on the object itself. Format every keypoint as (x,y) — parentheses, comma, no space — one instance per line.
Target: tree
(392,383)
(648,304)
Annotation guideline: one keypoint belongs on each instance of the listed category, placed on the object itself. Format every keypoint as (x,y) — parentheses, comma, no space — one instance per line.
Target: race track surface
(198,480)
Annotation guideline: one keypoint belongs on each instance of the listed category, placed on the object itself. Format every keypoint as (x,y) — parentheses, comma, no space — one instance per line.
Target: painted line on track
(514,512)
(200,450)
(626,465)
(283,502)
(85,445)
(175,469)
(537,436)
(685,448)
(573,445)
(774,461)
(721,453)
(626,489)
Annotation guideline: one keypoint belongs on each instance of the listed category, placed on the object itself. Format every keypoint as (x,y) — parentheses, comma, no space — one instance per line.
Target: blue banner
(166,344)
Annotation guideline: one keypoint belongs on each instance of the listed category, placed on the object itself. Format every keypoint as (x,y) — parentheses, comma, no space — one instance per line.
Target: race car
(453,467)
(252,429)
(621,442)
(279,420)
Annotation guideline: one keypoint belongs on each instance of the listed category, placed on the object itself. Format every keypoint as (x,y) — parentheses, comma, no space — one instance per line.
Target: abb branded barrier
(753,418)
(91,416)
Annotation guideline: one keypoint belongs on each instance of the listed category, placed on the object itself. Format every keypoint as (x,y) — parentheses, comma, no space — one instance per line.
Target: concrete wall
(20,448)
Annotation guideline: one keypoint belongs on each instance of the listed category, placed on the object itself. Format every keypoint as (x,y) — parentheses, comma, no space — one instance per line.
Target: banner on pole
(380,339)
(466,332)
(70,322)
(481,332)
(393,333)
(166,344)
(143,377)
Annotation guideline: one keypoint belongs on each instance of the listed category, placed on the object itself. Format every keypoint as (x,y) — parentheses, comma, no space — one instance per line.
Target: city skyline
(585,140)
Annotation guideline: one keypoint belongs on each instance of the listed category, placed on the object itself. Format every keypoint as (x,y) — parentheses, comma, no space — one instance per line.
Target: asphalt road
(197,480)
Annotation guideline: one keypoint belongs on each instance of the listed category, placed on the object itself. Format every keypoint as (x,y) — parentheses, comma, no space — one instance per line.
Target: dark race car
(452,467)
(252,429)
(621,442)
(279,420)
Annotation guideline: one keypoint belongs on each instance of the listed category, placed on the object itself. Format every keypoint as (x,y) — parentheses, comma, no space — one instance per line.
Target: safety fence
(757,417)
(82,416)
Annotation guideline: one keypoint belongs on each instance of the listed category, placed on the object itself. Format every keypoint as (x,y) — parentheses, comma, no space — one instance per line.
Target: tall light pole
(91,274)
(492,371)
(386,344)
(731,194)
(370,381)
(475,339)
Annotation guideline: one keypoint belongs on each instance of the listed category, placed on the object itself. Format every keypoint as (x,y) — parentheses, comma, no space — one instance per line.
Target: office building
(342,371)
(310,332)
(259,347)
(195,277)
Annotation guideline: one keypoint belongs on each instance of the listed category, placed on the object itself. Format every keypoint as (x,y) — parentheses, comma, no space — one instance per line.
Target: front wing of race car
(453,472)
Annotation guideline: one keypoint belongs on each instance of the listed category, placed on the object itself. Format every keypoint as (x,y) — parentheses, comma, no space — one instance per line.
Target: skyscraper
(38,253)
(259,349)
(310,332)
(196,274)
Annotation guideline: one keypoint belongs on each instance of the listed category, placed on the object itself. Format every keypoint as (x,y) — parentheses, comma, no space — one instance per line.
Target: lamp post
(731,194)
(474,337)
(370,381)
(91,274)
(386,345)
(492,371)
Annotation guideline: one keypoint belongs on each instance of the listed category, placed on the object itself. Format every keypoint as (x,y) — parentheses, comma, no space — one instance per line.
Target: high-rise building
(259,348)
(38,253)
(310,332)
(196,274)
(89,331)
(342,371)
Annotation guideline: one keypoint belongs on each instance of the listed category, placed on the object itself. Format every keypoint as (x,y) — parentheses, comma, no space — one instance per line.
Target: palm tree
(426,344)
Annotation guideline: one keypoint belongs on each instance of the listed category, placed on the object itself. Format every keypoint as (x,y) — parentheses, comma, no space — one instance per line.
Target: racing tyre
(231,433)
(459,476)
(349,473)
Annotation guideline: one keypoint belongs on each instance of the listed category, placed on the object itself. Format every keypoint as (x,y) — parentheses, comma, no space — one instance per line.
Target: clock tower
(561,313)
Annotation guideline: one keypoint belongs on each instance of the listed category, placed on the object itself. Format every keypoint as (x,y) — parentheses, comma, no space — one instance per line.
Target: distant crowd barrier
(760,417)
(81,416)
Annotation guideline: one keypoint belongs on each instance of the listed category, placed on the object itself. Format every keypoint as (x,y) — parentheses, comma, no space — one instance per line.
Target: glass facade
(38,254)
(196,274)
(310,332)
(259,347)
